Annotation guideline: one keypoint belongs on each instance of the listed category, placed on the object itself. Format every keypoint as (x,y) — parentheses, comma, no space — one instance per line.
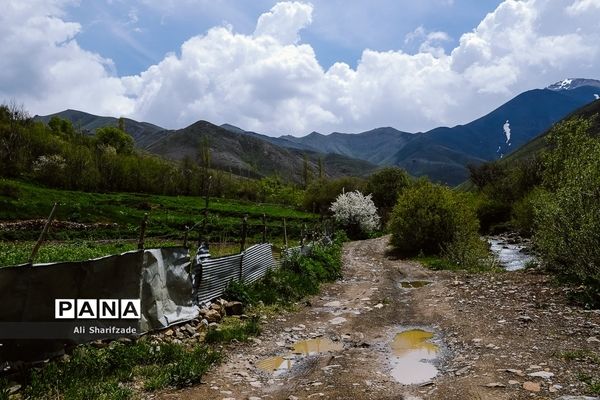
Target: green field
(168,217)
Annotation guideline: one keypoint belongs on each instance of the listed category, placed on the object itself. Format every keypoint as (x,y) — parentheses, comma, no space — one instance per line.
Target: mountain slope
(143,133)
(248,155)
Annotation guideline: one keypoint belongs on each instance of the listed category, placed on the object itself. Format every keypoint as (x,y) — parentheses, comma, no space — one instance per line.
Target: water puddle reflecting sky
(281,364)
(413,352)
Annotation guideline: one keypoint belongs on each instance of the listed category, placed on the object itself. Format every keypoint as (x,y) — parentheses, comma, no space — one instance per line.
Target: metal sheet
(217,273)
(257,260)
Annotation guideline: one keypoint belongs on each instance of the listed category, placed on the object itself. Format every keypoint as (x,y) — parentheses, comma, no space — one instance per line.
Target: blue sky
(137,34)
(292,67)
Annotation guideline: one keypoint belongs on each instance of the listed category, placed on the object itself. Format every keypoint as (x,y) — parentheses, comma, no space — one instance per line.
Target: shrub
(567,216)
(430,219)
(523,213)
(356,213)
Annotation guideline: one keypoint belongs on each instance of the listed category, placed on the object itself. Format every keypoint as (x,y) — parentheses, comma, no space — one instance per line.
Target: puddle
(511,256)
(413,353)
(281,364)
(414,284)
(316,346)
(276,365)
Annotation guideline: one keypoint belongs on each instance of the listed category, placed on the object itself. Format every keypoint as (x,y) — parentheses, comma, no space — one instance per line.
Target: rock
(542,374)
(495,385)
(333,304)
(532,386)
(169,332)
(254,398)
(256,384)
(593,339)
(292,397)
(577,398)
(513,382)
(212,315)
(234,308)
(189,329)
(379,306)
(203,325)
(216,307)
(14,389)
(517,372)
(337,321)
(524,318)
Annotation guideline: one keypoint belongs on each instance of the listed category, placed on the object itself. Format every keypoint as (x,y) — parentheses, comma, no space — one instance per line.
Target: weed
(234,329)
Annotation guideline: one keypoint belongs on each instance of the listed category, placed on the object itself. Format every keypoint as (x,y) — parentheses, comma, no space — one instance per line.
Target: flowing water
(512,256)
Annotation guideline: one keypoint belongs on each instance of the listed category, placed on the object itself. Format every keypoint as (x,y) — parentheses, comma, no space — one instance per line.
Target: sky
(292,67)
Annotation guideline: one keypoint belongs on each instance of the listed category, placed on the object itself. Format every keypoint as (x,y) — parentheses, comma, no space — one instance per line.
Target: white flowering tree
(356,212)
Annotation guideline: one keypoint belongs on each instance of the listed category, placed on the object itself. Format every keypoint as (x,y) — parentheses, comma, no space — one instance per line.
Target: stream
(512,251)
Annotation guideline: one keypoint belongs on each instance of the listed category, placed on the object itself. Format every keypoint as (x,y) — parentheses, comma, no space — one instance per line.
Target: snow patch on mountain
(507,132)
(573,83)
(597,96)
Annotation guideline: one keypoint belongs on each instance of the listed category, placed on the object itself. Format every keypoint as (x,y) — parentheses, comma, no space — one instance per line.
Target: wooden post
(185,236)
(143,231)
(202,231)
(285,240)
(264,234)
(43,234)
(244,233)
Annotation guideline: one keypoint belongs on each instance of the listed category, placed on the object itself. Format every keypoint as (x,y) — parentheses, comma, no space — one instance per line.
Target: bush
(356,213)
(523,213)
(430,219)
(567,216)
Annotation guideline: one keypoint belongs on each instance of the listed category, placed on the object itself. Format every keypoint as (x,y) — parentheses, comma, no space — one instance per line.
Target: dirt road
(490,332)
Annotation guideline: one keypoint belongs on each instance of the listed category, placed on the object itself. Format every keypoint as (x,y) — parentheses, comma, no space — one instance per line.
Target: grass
(587,356)
(168,215)
(232,329)
(114,372)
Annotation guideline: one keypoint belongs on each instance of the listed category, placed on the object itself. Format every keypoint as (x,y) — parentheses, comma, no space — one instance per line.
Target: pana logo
(97,309)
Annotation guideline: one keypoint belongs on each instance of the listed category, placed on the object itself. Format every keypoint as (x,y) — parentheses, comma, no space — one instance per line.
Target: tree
(385,185)
(356,212)
(306,173)
(115,138)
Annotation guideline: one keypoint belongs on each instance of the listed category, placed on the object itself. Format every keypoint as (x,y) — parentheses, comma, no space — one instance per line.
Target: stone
(593,339)
(337,321)
(513,382)
(333,304)
(542,374)
(495,385)
(517,372)
(578,398)
(212,316)
(532,386)
(254,398)
(234,308)
(379,306)
(169,332)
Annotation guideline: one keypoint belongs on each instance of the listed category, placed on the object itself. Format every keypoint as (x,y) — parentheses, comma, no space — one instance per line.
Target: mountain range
(442,153)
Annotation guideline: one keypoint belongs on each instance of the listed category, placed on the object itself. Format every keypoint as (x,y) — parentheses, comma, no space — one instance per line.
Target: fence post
(202,230)
(264,234)
(43,234)
(244,233)
(143,232)
(185,236)
(285,240)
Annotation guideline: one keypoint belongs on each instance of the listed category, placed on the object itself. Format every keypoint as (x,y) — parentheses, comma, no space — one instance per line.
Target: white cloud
(284,21)
(42,66)
(271,82)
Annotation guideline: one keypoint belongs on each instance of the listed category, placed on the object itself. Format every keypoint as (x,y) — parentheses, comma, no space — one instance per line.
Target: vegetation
(113,371)
(433,220)
(59,156)
(384,187)
(553,196)
(299,276)
(356,213)
(233,329)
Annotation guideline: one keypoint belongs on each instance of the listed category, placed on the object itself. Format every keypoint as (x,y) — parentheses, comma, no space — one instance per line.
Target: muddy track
(483,325)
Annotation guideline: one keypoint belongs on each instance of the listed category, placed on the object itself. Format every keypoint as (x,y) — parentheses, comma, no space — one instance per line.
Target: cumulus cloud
(43,67)
(271,82)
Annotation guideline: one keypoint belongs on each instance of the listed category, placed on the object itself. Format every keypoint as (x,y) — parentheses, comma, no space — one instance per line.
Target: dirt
(490,331)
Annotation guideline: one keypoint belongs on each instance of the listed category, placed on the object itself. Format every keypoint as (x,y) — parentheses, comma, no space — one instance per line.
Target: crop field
(91,225)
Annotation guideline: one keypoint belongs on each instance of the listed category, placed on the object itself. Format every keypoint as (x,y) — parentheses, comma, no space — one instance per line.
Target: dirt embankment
(495,336)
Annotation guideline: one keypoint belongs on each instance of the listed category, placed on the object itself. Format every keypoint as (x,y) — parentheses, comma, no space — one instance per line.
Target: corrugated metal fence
(213,275)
